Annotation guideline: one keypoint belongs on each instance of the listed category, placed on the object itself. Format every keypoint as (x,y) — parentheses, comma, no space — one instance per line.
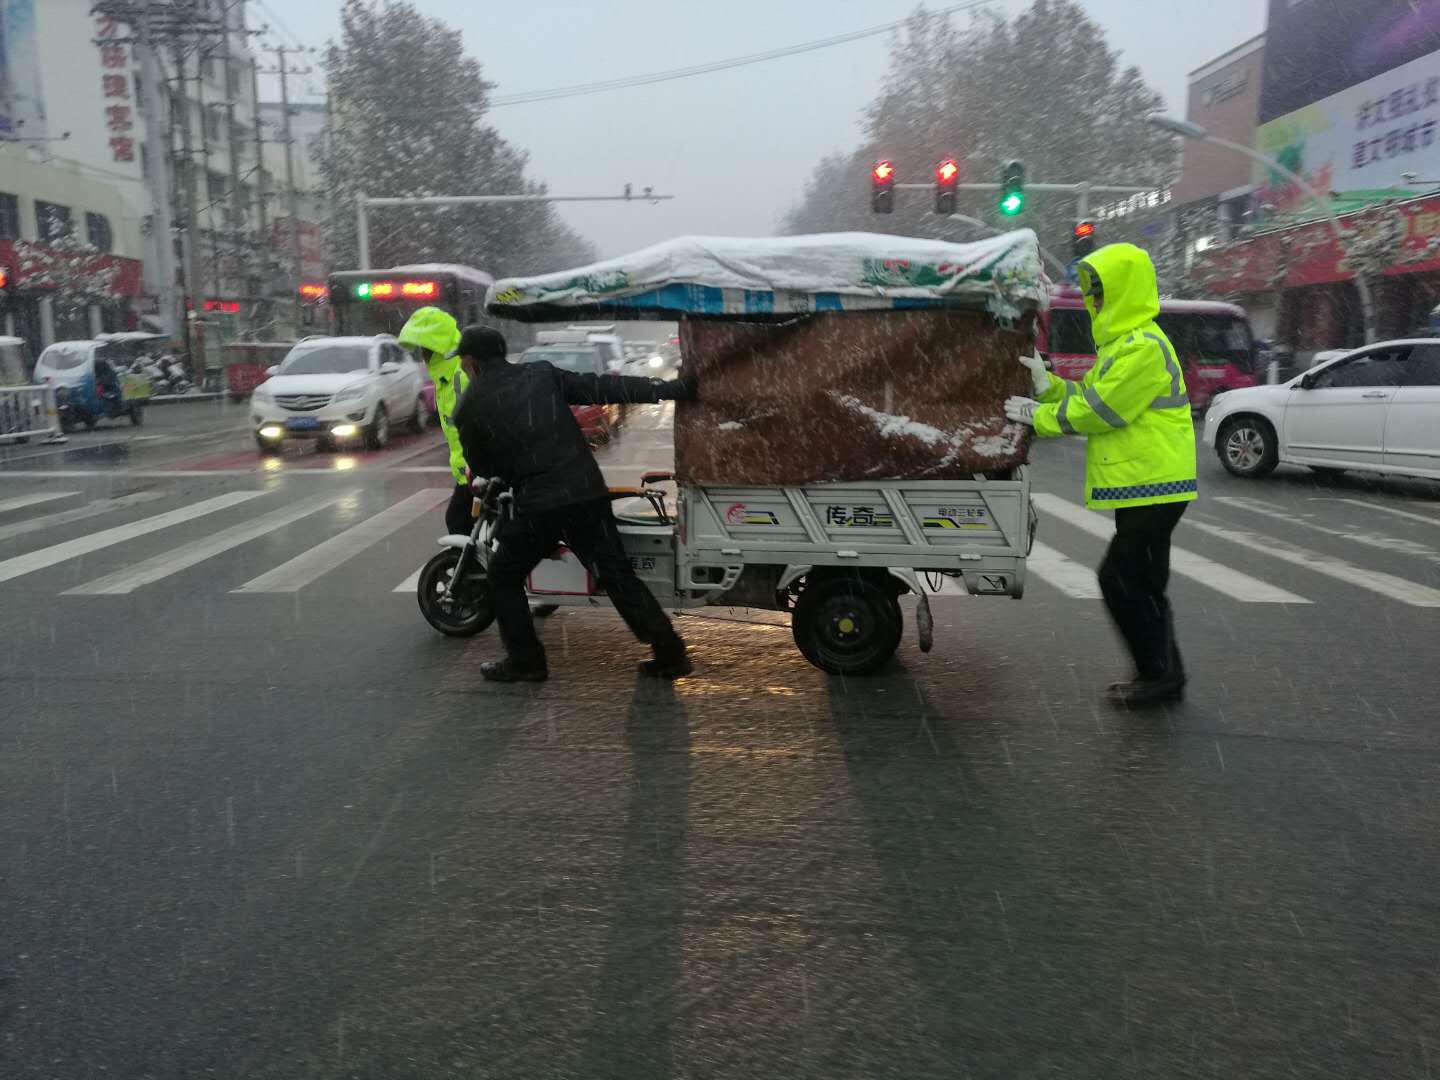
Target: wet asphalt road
(295,835)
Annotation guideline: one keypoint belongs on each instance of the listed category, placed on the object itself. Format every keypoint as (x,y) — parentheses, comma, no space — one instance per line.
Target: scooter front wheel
(469,610)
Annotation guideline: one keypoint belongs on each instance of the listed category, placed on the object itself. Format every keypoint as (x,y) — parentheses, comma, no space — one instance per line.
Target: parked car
(1375,408)
(246,364)
(338,389)
(598,422)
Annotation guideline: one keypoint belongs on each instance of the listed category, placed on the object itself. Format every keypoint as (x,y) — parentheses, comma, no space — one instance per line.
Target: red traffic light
(883,172)
(947,171)
(1084,230)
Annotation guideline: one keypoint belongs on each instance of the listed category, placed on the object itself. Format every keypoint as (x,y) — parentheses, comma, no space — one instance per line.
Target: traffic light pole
(363,203)
(1080,191)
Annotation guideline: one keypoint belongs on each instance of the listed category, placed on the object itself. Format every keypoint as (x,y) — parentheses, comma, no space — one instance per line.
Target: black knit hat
(482,343)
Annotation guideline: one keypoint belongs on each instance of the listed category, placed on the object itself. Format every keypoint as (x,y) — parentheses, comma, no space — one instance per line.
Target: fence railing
(28,412)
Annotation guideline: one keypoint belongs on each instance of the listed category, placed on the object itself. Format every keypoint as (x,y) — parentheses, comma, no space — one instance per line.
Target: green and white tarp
(744,277)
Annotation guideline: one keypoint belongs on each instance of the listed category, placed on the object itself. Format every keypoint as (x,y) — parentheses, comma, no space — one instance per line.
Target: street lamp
(1186,129)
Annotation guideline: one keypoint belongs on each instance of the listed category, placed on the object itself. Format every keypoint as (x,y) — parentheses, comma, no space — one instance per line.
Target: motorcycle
(454,590)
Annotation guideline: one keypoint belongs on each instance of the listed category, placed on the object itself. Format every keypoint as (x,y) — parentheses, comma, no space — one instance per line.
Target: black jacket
(515,422)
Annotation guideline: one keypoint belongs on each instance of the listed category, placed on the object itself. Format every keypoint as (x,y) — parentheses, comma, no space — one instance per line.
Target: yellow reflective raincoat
(1132,404)
(435,330)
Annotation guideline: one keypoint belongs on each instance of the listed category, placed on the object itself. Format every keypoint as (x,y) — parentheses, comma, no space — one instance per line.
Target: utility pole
(238,208)
(157,161)
(292,196)
(264,308)
(193,287)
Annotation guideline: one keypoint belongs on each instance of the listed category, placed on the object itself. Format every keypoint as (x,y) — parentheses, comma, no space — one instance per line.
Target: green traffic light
(1012,204)
(362,291)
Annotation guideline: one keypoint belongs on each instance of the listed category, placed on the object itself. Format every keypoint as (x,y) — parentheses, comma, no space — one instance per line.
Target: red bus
(1213,341)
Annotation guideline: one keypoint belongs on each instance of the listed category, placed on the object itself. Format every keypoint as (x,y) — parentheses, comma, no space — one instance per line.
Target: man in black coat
(515,423)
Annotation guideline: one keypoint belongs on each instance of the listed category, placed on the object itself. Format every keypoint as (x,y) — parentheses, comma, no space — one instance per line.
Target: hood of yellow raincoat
(436,330)
(1131,297)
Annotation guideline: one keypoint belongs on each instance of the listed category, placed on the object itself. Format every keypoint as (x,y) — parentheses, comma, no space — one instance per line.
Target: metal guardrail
(28,412)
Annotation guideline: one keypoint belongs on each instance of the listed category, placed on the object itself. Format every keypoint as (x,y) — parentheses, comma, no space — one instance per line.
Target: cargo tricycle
(876,477)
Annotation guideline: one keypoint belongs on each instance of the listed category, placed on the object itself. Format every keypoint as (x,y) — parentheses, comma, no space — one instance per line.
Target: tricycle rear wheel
(846,623)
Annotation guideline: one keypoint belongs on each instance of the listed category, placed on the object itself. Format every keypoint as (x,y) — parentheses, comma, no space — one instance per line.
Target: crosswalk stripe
(84,545)
(170,562)
(1061,572)
(306,567)
(1366,539)
(411,583)
(80,513)
(1388,585)
(1197,568)
(1426,519)
(34,499)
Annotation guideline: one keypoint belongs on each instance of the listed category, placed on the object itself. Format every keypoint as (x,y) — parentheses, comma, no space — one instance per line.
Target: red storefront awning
(1309,254)
(129,280)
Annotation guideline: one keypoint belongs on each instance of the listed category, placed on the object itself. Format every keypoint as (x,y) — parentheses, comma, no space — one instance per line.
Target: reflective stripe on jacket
(1132,404)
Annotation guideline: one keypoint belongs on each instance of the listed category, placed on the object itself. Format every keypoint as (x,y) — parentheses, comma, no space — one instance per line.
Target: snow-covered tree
(1042,87)
(408,118)
(74,275)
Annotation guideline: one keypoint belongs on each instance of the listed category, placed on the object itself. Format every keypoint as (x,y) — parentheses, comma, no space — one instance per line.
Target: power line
(579,89)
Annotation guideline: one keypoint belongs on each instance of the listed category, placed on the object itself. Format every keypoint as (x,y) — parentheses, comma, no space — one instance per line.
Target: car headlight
(350,393)
(657,361)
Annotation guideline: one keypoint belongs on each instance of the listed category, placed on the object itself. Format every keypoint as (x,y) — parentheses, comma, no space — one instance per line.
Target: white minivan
(336,390)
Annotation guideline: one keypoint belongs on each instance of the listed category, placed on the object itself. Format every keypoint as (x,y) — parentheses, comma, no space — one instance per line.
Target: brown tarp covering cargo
(850,396)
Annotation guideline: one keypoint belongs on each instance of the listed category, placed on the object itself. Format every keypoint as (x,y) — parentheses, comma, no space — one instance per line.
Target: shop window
(9,217)
(52,221)
(99,233)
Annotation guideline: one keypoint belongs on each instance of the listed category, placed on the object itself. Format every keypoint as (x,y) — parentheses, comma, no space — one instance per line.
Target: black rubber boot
(508,670)
(668,665)
(1140,693)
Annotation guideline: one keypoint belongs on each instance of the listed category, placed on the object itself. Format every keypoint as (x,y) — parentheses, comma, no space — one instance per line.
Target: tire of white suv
(1247,447)
(377,435)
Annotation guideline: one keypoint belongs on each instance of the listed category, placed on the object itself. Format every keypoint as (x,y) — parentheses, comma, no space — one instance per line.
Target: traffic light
(1012,188)
(947,175)
(1082,242)
(882,187)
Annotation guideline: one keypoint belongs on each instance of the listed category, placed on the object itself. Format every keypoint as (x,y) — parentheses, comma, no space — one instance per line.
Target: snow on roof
(479,277)
(776,276)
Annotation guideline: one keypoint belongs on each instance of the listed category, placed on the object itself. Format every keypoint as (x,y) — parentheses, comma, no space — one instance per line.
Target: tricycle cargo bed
(851,397)
(978,528)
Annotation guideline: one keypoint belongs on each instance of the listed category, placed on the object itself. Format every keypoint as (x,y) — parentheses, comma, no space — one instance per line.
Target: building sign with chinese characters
(116,88)
(1361,142)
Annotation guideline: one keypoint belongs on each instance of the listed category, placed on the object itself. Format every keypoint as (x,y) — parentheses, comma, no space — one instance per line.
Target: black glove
(682,389)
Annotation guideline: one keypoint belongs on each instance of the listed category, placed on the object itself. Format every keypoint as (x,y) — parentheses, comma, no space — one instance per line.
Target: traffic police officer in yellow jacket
(1139,456)
(436,334)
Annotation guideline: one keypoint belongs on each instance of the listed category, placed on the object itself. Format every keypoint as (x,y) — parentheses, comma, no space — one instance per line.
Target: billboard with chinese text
(1360,143)
(1317,48)
(22,108)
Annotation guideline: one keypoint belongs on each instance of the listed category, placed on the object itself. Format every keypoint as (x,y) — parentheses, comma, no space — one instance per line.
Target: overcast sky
(736,147)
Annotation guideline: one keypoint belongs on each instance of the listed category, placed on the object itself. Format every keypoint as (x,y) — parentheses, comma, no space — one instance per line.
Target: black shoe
(508,670)
(673,666)
(1139,693)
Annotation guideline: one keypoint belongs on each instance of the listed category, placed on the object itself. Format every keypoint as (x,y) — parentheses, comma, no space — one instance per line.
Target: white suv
(336,389)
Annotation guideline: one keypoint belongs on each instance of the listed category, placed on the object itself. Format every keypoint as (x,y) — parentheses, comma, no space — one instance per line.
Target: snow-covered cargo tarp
(845,397)
(826,359)
(755,278)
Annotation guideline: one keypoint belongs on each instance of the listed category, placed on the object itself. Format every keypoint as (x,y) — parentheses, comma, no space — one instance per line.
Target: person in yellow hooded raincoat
(437,335)
(1133,409)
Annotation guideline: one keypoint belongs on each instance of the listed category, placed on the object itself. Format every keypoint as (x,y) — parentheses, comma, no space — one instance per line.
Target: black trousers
(589,530)
(1133,579)
(457,514)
